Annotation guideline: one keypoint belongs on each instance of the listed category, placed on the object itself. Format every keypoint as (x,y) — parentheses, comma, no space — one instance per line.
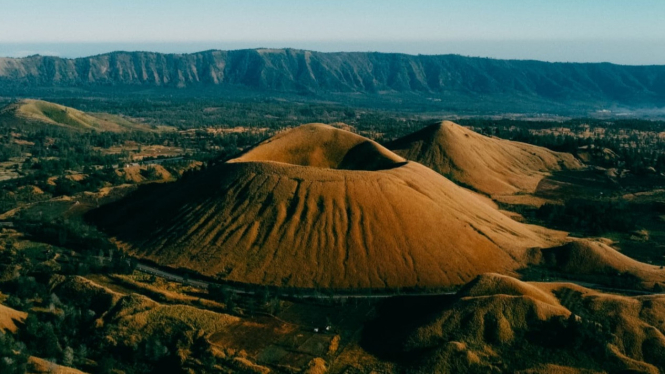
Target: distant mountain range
(438,77)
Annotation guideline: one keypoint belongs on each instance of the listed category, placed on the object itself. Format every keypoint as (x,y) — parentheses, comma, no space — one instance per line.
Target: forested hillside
(430,79)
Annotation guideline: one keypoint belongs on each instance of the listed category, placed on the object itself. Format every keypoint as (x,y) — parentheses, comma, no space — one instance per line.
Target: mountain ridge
(446,77)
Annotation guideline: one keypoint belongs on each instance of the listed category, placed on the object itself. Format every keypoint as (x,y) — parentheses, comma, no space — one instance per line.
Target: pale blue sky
(622,31)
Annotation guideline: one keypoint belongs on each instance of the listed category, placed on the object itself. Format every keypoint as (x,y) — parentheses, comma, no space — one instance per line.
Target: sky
(618,31)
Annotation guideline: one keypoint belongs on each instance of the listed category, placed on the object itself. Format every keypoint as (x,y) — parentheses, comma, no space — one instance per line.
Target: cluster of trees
(588,216)
(8,151)
(63,330)
(61,326)
(253,113)
(585,338)
(13,355)
(57,331)
(257,299)
(186,113)
(94,252)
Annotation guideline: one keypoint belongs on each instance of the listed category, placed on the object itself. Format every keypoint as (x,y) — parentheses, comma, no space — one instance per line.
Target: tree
(50,345)
(154,349)
(81,354)
(68,356)
(263,295)
(106,365)
(62,237)
(150,173)
(13,355)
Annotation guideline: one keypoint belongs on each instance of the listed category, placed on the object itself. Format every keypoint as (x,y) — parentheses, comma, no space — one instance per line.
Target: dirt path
(204,285)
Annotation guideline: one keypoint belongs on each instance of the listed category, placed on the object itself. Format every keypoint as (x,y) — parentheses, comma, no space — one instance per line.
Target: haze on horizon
(566,30)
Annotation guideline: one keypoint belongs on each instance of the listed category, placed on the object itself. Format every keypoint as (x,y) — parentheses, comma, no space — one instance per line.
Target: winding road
(204,285)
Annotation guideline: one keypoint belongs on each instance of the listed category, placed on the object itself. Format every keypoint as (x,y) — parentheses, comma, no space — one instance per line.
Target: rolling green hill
(36,113)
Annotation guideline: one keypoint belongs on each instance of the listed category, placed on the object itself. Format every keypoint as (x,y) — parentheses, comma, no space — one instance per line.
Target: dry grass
(323,146)
(263,219)
(334,345)
(101,298)
(491,165)
(140,151)
(487,317)
(523,199)
(76,177)
(163,292)
(589,257)
(316,366)
(605,154)
(68,206)
(46,113)
(40,366)
(9,318)
(491,316)
(490,284)
(258,337)
(134,173)
(137,317)
(110,193)
(233,130)
(247,366)
(33,190)
(557,369)
(355,359)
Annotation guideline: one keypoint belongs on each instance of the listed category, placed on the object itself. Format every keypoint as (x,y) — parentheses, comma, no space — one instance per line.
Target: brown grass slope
(499,324)
(38,365)
(135,174)
(321,207)
(136,317)
(38,113)
(600,263)
(9,318)
(97,298)
(490,165)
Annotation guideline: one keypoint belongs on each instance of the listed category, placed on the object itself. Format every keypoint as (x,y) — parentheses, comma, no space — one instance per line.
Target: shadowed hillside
(490,165)
(596,260)
(322,207)
(499,324)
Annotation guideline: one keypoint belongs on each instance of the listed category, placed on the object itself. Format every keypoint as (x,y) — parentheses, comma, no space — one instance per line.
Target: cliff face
(305,71)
